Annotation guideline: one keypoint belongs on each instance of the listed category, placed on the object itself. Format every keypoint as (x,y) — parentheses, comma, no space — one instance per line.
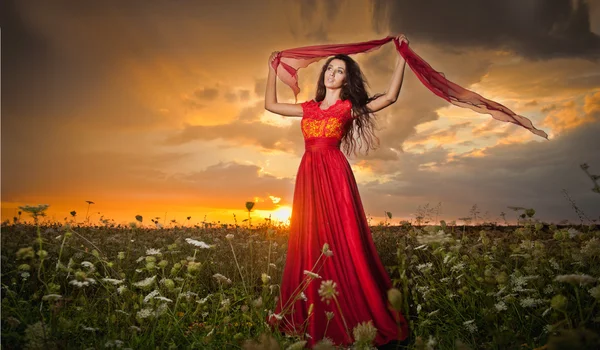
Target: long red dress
(327,209)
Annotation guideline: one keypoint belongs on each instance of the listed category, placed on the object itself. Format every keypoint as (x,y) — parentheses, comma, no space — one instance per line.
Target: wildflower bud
(265,278)
(238,336)
(229,237)
(244,308)
(121,255)
(95,253)
(150,259)
(163,263)
(80,275)
(176,267)
(168,283)
(150,265)
(310,308)
(42,254)
(24,267)
(595,292)
(395,298)
(502,278)
(25,253)
(194,267)
(559,302)
(329,315)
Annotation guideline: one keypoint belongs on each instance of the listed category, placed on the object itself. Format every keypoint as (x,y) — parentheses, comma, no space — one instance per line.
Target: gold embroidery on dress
(330,127)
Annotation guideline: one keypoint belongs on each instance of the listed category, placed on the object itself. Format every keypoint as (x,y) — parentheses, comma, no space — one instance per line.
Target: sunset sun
(282,213)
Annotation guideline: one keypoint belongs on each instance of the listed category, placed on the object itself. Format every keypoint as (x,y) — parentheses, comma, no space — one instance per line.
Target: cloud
(537,29)
(209,94)
(570,115)
(530,174)
(246,129)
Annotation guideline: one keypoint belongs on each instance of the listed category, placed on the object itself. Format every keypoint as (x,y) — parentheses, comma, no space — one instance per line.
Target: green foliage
(213,286)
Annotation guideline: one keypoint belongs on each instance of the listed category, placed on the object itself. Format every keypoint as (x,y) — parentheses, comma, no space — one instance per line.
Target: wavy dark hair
(354,89)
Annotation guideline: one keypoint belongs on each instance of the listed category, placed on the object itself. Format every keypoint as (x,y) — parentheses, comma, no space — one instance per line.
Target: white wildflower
(431,343)
(90,329)
(311,274)
(531,302)
(277,316)
(144,313)
(221,278)
(161,310)
(458,267)
(573,232)
(88,265)
(52,297)
(470,326)
(113,281)
(153,251)
(121,289)
(146,282)
(580,279)
(595,292)
(500,306)
(135,328)
(425,267)
(198,244)
(151,295)
(229,236)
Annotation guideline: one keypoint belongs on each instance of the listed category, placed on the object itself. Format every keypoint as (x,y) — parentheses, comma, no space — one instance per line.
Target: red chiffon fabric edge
(287,63)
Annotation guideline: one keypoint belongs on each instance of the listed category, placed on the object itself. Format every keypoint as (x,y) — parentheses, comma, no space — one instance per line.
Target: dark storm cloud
(533,28)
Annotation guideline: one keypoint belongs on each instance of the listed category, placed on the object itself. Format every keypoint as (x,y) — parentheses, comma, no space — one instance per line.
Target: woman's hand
(401,38)
(274,54)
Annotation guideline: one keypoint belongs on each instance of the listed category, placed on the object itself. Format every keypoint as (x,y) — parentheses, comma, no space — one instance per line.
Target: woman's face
(335,74)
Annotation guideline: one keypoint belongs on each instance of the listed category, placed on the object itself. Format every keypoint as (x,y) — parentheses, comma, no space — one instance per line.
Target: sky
(156,108)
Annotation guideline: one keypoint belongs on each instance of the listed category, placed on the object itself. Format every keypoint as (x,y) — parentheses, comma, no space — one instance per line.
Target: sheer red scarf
(287,63)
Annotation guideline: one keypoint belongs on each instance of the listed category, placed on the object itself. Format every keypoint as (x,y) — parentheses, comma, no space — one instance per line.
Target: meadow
(212,286)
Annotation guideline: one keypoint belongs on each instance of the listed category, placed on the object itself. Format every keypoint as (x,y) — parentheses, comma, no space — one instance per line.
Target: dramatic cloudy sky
(154,107)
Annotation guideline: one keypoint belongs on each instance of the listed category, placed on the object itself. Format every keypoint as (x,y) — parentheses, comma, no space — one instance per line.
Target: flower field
(212,287)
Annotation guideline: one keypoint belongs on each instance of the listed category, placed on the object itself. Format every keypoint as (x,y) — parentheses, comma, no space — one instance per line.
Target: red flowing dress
(327,209)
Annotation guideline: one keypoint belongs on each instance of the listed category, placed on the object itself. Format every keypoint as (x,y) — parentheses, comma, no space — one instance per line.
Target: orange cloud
(571,115)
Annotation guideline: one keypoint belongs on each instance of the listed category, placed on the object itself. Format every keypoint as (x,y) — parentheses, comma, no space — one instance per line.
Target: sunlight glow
(282,213)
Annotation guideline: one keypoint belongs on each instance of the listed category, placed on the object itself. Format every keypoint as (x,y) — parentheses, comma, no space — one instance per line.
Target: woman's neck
(331,96)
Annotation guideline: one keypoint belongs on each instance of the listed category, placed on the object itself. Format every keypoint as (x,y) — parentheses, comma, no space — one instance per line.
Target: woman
(327,210)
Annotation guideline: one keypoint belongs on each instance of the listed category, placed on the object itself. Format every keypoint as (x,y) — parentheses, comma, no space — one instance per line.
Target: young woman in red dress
(325,296)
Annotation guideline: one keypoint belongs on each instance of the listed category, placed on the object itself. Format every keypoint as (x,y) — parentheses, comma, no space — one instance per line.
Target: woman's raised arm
(393,91)
(271,104)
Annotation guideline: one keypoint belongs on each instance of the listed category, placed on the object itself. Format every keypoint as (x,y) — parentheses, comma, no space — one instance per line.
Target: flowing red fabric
(287,63)
(327,209)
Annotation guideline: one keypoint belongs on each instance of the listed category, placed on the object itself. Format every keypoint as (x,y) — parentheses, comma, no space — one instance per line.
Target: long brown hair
(354,89)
